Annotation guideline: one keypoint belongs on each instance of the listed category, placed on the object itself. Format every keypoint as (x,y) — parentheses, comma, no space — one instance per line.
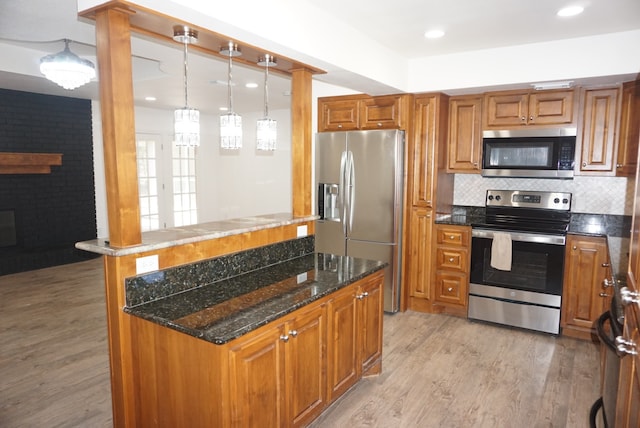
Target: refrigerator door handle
(341,192)
(352,186)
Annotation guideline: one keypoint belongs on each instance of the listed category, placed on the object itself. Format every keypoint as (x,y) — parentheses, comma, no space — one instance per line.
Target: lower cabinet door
(256,387)
(305,365)
(342,349)
(371,298)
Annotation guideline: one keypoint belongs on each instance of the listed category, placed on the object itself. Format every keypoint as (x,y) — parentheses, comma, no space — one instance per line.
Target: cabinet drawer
(448,258)
(451,288)
(452,236)
(380,113)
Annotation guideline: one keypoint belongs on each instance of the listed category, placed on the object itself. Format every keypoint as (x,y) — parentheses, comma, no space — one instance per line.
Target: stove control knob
(490,197)
(498,197)
(556,201)
(565,201)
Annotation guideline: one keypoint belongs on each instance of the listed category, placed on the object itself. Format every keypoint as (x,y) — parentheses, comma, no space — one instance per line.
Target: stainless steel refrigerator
(359,184)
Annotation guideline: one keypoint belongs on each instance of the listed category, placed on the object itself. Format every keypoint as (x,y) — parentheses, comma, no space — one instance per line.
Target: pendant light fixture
(186,120)
(230,123)
(67,69)
(266,128)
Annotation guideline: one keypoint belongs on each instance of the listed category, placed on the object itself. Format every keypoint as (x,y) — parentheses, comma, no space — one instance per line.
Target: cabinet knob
(293,333)
(625,347)
(627,296)
(284,337)
(618,165)
(603,295)
(584,164)
(452,237)
(450,289)
(574,247)
(530,117)
(379,124)
(523,118)
(606,283)
(362,296)
(428,202)
(339,126)
(605,265)
(451,259)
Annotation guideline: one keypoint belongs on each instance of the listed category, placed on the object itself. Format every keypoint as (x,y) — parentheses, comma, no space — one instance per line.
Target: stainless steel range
(517,259)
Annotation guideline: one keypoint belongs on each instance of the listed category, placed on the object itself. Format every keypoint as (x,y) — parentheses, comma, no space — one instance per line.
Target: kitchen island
(270,347)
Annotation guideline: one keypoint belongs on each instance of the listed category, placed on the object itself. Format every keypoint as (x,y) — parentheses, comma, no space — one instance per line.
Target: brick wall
(53,211)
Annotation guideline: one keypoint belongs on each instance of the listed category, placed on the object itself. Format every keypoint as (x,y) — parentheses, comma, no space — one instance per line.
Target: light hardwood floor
(438,371)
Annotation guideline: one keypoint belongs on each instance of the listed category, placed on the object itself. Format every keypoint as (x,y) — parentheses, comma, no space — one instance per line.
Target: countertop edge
(172,237)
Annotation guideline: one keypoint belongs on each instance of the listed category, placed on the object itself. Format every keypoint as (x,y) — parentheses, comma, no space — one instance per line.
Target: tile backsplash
(597,195)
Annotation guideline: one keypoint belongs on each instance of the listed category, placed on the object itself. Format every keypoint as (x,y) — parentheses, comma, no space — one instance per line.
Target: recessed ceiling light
(251,85)
(224,108)
(150,98)
(570,11)
(434,34)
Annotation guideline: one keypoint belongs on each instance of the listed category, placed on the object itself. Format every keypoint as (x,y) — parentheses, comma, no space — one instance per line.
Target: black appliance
(537,153)
(531,227)
(608,326)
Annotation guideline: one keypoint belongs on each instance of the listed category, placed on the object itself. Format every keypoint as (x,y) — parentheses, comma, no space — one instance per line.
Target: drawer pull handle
(293,333)
(603,294)
(627,296)
(625,347)
(284,337)
(362,296)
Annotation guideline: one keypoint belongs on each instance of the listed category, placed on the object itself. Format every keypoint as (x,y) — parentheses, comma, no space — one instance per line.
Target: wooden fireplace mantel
(28,163)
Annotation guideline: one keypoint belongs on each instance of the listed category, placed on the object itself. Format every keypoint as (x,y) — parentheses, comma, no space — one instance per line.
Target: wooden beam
(118,126)
(28,163)
(301,135)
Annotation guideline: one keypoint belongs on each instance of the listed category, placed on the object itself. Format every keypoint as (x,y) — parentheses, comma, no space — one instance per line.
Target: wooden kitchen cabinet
(278,377)
(419,256)
(465,134)
(354,347)
(628,400)
(627,158)
(451,274)
(352,112)
(584,299)
(508,109)
(597,137)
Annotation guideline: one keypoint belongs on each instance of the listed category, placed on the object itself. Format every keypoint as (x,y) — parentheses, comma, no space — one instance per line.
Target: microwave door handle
(341,192)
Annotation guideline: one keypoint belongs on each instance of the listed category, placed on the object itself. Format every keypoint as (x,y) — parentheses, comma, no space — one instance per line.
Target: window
(185,209)
(148,183)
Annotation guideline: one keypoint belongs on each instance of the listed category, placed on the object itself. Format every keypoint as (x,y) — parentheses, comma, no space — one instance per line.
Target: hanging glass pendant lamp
(266,128)
(67,69)
(186,123)
(230,123)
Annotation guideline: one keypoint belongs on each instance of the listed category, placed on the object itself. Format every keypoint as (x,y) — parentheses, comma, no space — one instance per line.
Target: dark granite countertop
(226,309)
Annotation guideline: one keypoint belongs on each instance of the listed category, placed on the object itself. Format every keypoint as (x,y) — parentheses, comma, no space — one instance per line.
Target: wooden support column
(118,126)
(301,135)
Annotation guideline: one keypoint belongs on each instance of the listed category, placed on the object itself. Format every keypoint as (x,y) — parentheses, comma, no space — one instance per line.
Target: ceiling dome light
(434,34)
(67,69)
(570,11)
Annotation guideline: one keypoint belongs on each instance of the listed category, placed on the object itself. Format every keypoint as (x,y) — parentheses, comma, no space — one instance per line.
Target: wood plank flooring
(438,371)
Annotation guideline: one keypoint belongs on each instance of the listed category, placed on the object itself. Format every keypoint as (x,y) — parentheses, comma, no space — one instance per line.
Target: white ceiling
(30,29)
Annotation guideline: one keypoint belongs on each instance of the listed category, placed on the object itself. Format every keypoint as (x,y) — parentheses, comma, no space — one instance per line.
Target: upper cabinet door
(381,112)
(551,108)
(506,109)
(465,134)
(338,115)
(597,131)
(629,130)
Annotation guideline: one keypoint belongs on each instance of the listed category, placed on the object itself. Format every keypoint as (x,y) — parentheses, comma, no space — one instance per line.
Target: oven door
(537,262)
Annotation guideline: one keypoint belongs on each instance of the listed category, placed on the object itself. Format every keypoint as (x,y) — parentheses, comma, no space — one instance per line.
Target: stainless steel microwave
(529,153)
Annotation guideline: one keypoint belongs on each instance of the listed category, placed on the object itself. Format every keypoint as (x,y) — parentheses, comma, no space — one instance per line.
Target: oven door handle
(521,236)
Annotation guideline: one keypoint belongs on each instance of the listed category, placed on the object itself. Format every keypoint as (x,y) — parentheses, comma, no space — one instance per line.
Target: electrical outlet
(301,278)
(147,264)
(302,231)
